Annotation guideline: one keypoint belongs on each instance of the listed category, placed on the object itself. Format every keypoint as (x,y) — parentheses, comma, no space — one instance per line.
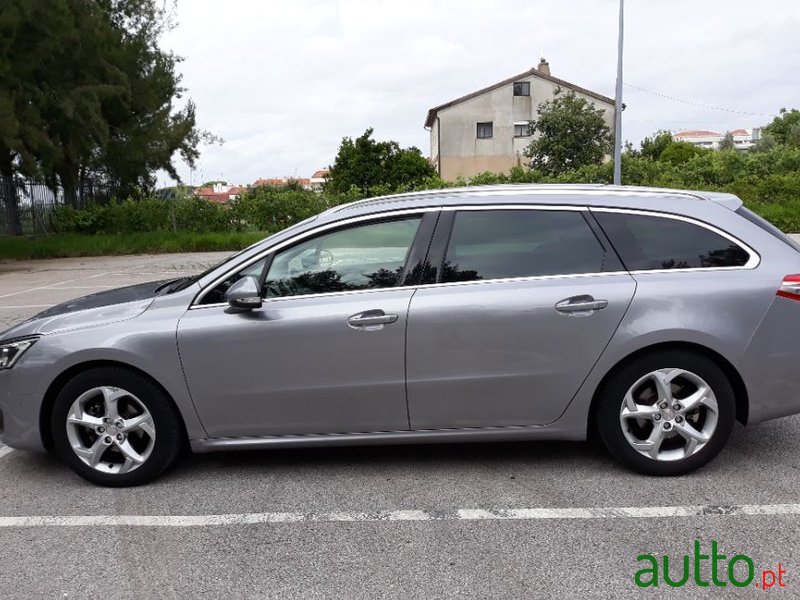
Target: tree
(572,133)
(653,147)
(726,143)
(678,153)
(785,128)
(85,90)
(367,165)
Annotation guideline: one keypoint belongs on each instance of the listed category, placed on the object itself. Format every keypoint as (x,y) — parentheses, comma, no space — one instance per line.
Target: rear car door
(326,351)
(522,302)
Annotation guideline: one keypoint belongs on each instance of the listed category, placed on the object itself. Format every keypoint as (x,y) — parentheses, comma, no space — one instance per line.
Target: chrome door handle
(371,317)
(580,304)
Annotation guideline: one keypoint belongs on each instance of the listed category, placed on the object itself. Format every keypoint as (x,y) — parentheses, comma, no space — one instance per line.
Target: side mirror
(243,295)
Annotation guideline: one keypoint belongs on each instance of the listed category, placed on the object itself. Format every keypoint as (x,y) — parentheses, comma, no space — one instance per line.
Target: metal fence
(35,203)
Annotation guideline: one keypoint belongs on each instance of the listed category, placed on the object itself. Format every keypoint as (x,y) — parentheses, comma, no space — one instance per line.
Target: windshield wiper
(170,286)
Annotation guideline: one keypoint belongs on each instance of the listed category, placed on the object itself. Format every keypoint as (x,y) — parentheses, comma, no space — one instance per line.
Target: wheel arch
(65,376)
(737,383)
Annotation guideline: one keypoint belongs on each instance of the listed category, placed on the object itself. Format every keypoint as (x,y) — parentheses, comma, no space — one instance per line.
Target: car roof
(552,194)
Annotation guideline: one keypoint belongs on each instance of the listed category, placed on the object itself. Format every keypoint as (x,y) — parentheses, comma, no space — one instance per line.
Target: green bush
(768,181)
(259,209)
(785,216)
(272,209)
(200,215)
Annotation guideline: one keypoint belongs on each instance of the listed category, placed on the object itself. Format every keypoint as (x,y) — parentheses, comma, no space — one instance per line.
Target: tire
(669,441)
(115,427)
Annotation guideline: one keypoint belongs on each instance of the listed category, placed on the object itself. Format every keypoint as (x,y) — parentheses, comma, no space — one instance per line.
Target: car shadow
(760,450)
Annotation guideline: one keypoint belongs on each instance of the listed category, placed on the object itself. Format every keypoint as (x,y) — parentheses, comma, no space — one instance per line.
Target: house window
(522,88)
(522,129)
(485,130)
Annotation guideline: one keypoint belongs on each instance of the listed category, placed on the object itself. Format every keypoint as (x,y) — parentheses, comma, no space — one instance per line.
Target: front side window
(485,130)
(656,243)
(497,244)
(522,88)
(356,258)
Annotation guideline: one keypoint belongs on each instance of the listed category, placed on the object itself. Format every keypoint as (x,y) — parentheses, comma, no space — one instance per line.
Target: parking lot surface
(521,520)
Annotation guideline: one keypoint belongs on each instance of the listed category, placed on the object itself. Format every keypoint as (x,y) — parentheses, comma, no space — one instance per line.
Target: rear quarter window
(647,243)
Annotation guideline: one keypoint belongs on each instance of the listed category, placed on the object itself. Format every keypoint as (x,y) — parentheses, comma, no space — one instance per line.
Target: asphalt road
(396,522)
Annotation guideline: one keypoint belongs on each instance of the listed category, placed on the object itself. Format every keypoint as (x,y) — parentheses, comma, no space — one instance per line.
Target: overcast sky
(282,81)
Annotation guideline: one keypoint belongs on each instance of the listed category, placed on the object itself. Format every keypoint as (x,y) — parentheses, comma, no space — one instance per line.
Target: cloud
(283,81)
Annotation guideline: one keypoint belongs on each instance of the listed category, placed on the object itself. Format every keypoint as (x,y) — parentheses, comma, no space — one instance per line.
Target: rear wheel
(666,413)
(115,427)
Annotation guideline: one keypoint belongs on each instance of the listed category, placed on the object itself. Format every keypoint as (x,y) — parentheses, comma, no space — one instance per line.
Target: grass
(158,242)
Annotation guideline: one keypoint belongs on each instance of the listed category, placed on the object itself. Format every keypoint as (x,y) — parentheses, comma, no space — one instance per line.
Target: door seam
(405,358)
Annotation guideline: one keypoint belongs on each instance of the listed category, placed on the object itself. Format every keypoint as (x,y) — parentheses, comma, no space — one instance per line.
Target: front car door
(525,300)
(325,353)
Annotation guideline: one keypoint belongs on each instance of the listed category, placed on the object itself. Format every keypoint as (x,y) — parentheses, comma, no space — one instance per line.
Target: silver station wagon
(653,318)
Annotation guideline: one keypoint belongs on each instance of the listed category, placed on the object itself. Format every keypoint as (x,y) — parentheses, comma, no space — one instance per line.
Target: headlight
(11,351)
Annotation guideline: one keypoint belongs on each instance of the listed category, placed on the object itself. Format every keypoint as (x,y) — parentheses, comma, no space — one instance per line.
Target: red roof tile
(696,133)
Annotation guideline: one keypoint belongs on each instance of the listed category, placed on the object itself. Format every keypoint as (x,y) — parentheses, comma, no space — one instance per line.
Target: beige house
(487,130)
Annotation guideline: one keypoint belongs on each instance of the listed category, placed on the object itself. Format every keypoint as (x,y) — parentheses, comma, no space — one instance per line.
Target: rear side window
(497,244)
(647,243)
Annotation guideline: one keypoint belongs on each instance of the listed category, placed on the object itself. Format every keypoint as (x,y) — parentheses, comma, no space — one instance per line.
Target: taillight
(790,288)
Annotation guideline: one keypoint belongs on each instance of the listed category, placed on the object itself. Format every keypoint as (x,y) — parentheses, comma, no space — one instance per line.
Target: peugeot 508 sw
(655,318)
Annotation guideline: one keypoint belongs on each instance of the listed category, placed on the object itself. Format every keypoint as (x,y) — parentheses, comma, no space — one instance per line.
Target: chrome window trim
(298,238)
(752,262)
(424,286)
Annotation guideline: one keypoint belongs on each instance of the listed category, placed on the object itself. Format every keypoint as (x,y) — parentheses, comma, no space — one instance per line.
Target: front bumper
(20,416)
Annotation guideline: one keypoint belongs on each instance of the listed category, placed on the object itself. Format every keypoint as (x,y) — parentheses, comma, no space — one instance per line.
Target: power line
(699,104)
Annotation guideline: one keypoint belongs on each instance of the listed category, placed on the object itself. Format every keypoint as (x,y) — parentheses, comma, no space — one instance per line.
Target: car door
(325,352)
(524,301)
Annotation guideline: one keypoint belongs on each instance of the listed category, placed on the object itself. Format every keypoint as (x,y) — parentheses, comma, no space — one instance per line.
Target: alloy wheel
(110,430)
(669,414)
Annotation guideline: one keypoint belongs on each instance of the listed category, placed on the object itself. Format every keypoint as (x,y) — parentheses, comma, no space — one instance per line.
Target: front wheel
(666,413)
(115,427)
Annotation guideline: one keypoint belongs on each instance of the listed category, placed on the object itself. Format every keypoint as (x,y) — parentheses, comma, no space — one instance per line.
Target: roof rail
(521,187)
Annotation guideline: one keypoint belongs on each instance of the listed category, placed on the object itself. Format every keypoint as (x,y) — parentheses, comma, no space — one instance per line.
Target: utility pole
(618,106)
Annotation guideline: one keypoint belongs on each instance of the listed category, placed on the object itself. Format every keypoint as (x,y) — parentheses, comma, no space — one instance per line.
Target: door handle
(577,304)
(371,317)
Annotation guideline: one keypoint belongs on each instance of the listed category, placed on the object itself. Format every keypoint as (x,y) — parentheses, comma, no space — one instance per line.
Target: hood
(88,311)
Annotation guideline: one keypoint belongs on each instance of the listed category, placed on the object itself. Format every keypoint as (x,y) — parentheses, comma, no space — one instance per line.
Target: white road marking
(5,450)
(81,287)
(465,514)
(50,286)
(148,274)
(27,306)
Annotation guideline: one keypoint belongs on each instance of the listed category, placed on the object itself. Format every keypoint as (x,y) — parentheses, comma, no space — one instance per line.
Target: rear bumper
(770,366)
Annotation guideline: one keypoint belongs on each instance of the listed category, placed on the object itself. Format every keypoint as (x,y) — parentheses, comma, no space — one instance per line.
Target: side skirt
(428,436)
